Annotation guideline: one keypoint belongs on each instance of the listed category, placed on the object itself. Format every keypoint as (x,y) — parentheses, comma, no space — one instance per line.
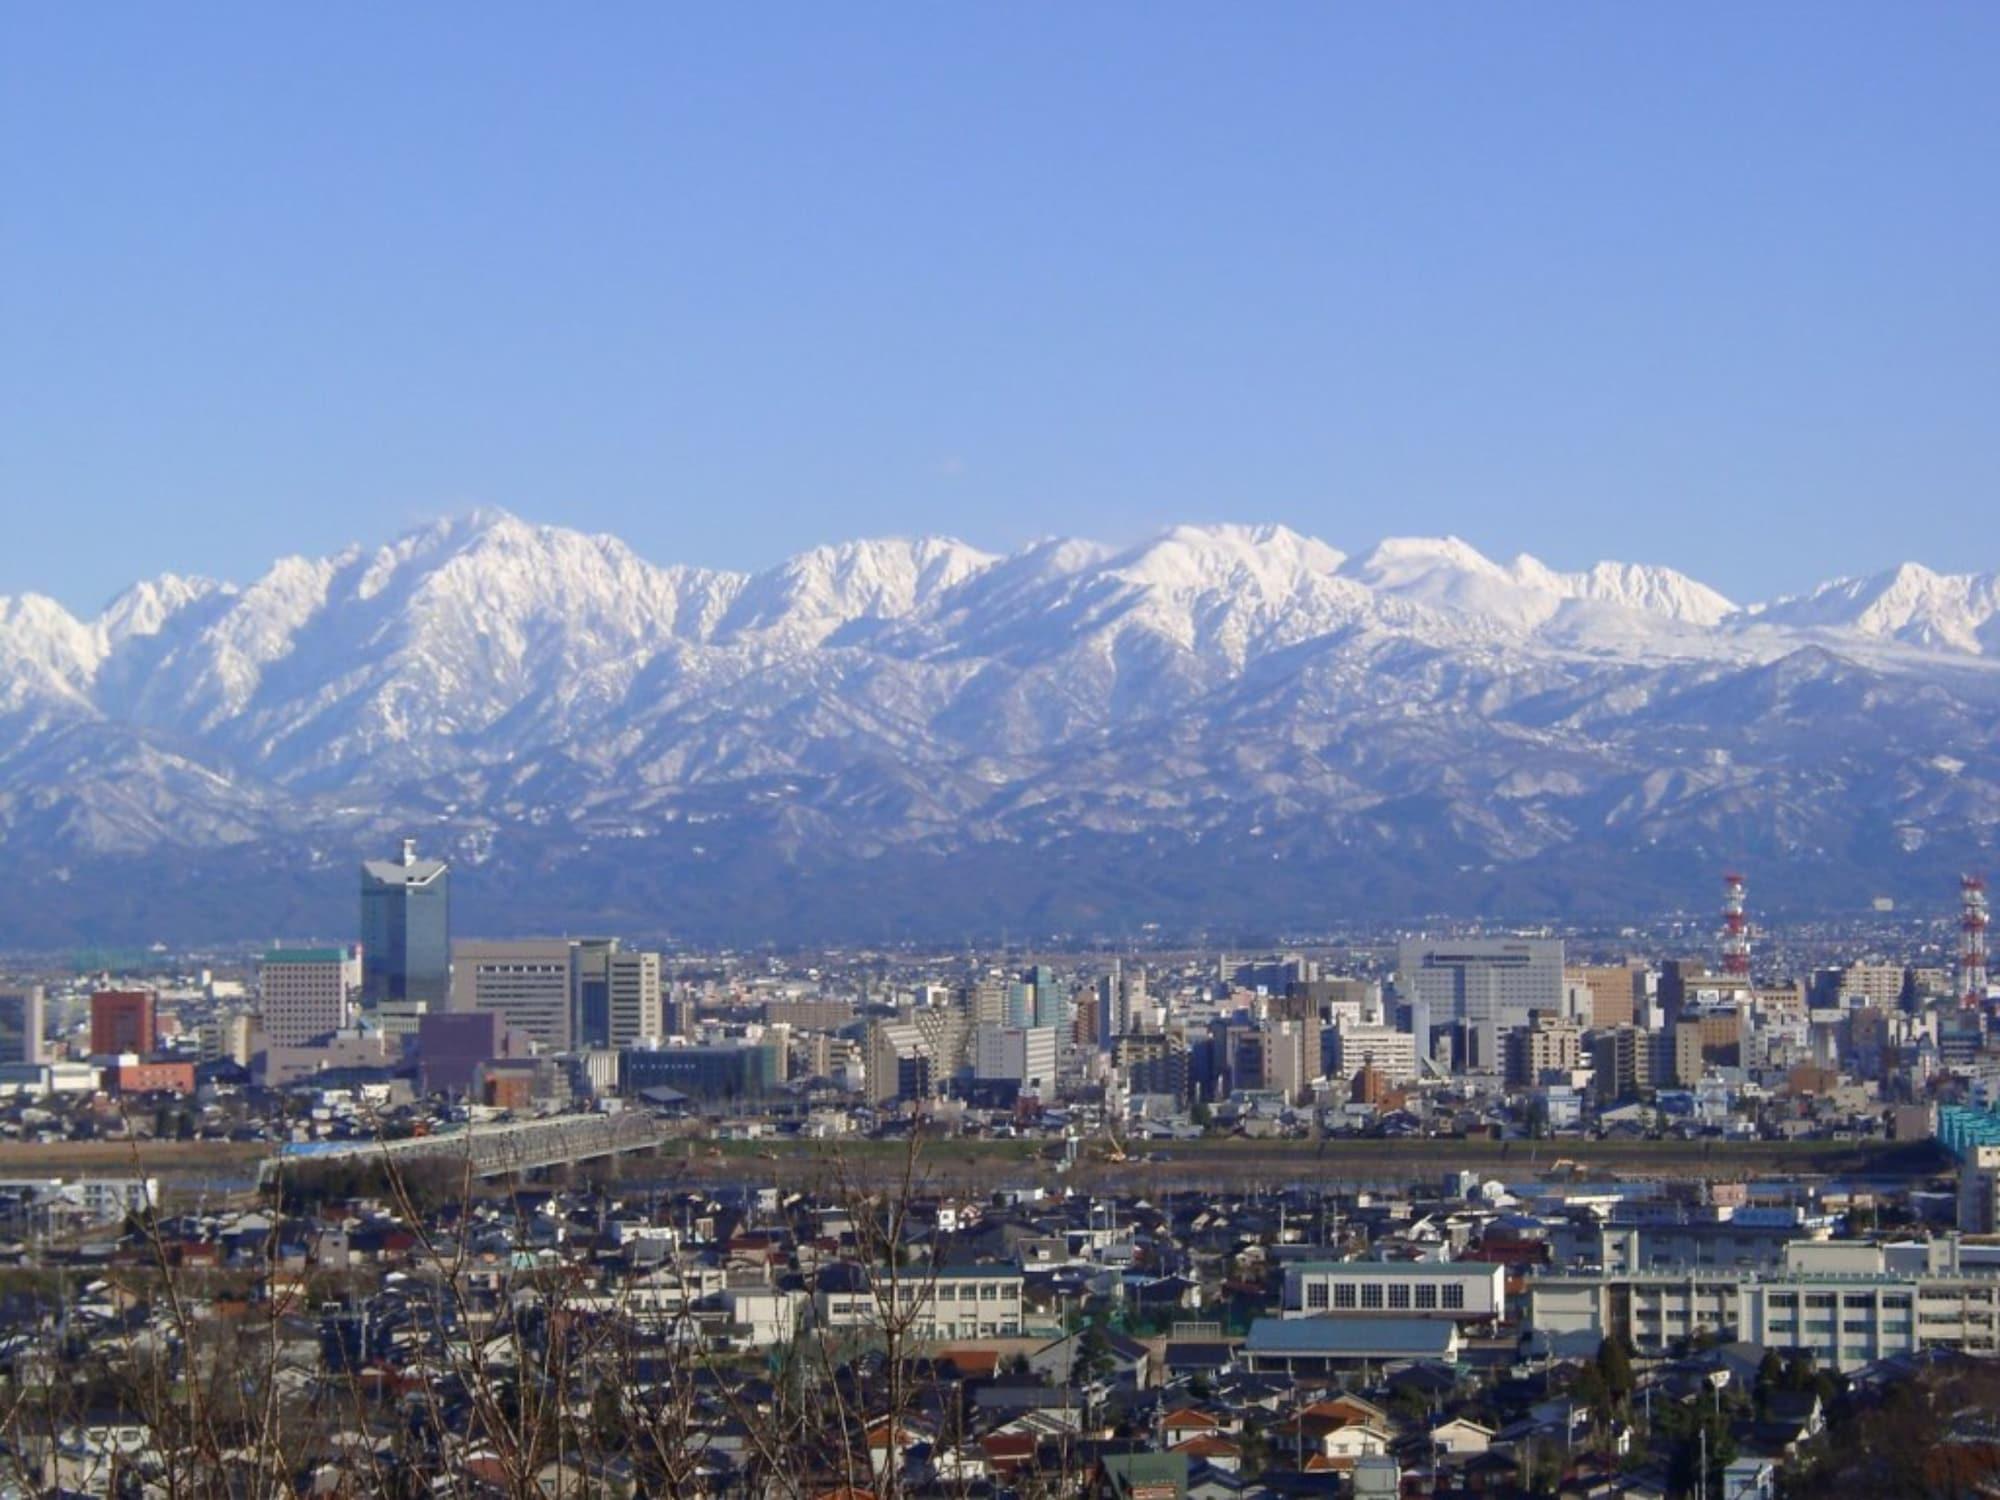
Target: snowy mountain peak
(1403,562)
(807,598)
(1272,560)
(1909,603)
(146,607)
(1650,590)
(45,652)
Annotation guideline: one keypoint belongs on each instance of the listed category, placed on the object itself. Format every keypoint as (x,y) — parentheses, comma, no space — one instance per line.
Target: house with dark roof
(1142,1476)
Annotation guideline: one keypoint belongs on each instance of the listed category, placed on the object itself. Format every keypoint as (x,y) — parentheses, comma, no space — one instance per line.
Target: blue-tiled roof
(1351,1338)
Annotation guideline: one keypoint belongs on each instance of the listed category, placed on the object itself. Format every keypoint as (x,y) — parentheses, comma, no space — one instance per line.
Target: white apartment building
(1847,1318)
(970,1302)
(1393,1053)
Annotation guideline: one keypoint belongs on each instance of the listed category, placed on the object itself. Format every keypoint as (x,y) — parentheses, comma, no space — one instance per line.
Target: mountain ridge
(1225,696)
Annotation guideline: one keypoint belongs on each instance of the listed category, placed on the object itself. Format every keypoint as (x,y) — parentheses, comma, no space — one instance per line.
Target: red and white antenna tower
(1735,928)
(1972,939)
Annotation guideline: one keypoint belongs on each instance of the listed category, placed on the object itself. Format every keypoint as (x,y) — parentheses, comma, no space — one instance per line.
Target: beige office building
(526,981)
(1617,993)
(636,1015)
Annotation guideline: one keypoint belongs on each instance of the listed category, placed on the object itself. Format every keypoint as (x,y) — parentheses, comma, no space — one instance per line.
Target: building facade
(307,992)
(1489,986)
(706,1073)
(121,1022)
(406,928)
(21,1024)
(1461,1291)
(976,1302)
(524,981)
(1846,1319)
(634,997)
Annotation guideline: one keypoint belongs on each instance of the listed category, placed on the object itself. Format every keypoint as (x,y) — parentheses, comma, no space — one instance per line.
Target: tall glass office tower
(406,929)
(590,983)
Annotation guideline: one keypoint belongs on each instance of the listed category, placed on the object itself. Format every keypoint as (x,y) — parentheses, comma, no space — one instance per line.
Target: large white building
(1462,1291)
(1840,1300)
(1489,985)
(1392,1053)
(1025,1054)
(971,1302)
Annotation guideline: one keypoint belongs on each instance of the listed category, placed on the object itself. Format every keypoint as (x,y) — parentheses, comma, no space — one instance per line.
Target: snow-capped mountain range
(1223,725)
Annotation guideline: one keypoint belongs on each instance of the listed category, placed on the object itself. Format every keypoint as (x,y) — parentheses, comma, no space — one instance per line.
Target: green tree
(1770,1377)
(1538,1118)
(1589,1388)
(1614,1368)
(1093,1359)
(1685,1425)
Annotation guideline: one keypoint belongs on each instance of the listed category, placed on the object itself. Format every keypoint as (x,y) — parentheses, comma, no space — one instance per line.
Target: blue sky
(1707,285)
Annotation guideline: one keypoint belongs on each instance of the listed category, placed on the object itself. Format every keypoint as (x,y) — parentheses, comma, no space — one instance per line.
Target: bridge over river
(492,1148)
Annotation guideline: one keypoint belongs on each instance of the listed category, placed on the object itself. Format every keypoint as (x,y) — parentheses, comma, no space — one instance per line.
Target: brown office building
(122,1021)
(1615,991)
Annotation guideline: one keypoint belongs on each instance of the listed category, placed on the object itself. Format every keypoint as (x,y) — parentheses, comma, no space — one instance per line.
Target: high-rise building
(122,1021)
(1686,987)
(1154,1062)
(406,928)
(1024,1054)
(1490,986)
(1628,1061)
(1979,1191)
(987,1001)
(1037,998)
(1087,1026)
(636,1018)
(1874,984)
(1617,993)
(1245,1059)
(1551,1045)
(590,982)
(525,981)
(233,1037)
(307,992)
(683,1009)
(1292,1057)
(1687,1052)
(21,1026)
